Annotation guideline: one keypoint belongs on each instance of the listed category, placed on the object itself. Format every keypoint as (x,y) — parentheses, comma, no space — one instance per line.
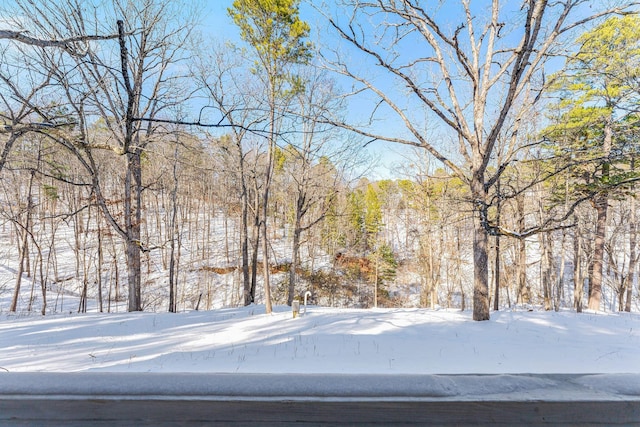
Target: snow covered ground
(322,341)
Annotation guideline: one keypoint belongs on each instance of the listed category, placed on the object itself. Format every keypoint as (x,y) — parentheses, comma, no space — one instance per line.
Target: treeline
(411,237)
(112,189)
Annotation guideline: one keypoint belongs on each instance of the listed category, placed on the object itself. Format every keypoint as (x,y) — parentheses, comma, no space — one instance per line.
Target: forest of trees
(182,173)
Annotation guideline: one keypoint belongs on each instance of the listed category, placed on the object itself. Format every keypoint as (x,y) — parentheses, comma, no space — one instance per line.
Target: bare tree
(469,76)
(137,84)
(316,162)
(222,76)
(25,95)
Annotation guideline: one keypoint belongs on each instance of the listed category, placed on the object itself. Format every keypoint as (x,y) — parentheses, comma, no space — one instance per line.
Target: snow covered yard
(324,340)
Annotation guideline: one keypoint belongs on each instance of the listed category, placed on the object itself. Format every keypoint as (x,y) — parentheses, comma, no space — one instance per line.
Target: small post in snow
(295,307)
(306,295)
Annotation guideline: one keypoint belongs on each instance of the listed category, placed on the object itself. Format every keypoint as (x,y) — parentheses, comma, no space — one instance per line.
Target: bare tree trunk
(265,212)
(133,183)
(173,224)
(244,249)
(633,257)
(496,295)
(255,244)
(16,292)
(265,265)
(596,267)
(133,217)
(39,268)
(524,296)
(375,282)
(100,264)
(480,252)
(295,254)
(225,220)
(43,281)
(601,204)
(116,283)
(481,275)
(459,270)
(82,306)
(560,281)
(578,279)
(24,246)
(546,264)
(563,253)
(430,276)
(244,229)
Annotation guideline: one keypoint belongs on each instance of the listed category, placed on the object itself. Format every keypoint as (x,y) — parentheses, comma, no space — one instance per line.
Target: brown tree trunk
(16,292)
(265,209)
(560,282)
(596,268)
(82,306)
(24,247)
(601,205)
(133,179)
(133,218)
(524,296)
(244,244)
(459,269)
(244,229)
(256,244)
(496,295)
(547,269)
(633,257)
(480,250)
(265,264)
(295,251)
(578,280)
(173,232)
(100,264)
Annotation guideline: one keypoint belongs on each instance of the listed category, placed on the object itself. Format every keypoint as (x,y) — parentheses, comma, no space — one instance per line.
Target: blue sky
(217,25)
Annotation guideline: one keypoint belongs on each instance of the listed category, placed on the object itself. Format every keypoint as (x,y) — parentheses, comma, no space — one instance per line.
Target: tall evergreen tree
(275,32)
(597,98)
